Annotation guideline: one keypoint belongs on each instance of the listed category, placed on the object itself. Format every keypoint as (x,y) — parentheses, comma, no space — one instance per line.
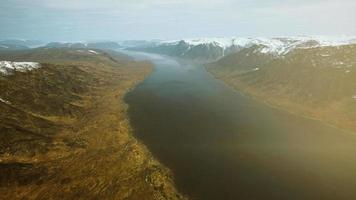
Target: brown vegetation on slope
(64,133)
(316,82)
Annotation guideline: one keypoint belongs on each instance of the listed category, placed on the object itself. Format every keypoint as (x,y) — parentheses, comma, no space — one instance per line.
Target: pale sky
(79,20)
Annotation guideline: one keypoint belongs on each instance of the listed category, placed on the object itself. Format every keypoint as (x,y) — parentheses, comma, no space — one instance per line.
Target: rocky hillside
(64,133)
(318,82)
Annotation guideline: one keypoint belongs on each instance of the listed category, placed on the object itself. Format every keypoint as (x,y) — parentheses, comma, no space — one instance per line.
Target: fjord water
(221,144)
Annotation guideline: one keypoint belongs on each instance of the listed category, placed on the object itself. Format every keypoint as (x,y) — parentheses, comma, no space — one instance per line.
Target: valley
(190,119)
(177,100)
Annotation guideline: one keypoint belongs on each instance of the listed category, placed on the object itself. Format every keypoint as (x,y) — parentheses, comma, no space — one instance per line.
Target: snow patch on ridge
(87,52)
(8,67)
(93,52)
(277,46)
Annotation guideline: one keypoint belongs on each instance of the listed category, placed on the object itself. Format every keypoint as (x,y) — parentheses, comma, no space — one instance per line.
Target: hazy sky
(75,20)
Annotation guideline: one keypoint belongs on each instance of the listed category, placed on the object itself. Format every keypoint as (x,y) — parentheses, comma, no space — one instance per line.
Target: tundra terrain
(64,132)
(315,82)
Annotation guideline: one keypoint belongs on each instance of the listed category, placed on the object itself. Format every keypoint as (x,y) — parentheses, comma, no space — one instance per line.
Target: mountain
(78,45)
(15,44)
(212,49)
(313,78)
(183,49)
(9,47)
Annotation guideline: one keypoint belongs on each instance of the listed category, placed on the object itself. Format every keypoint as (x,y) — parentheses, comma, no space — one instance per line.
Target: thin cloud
(145,19)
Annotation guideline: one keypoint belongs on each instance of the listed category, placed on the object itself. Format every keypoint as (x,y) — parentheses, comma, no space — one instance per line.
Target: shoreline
(95,153)
(270,104)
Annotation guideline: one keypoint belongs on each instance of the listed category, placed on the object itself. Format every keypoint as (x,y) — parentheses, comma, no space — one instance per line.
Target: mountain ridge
(212,49)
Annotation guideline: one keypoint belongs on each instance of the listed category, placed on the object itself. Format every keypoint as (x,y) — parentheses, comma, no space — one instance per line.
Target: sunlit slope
(64,133)
(318,82)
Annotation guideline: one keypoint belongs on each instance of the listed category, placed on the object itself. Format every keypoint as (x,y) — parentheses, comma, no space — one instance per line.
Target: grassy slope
(65,133)
(318,82)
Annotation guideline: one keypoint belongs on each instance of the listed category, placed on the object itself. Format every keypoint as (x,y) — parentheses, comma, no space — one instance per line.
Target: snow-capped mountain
(278,45)
(209,49)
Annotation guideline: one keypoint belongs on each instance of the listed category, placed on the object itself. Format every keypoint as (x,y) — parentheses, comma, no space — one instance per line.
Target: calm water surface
(222,145)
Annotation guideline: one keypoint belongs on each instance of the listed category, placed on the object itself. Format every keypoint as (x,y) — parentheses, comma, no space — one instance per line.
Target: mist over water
(222,145)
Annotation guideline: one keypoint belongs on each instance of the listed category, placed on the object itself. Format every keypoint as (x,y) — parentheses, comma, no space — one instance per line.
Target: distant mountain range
(6,45)
(19,44)
(203,49)
(78,45)
(314,79)
(212,49)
